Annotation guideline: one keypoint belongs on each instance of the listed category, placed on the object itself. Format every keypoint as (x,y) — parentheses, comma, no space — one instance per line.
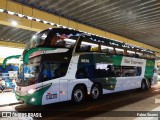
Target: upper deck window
(64,40)
(38,39)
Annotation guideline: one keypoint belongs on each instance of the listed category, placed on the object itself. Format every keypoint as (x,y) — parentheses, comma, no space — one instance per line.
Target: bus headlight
(31,91)
(32,99)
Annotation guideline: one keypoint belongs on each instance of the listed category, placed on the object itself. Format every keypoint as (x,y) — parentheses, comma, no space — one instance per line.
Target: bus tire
(149,84)
(78,94)
(96,92)
(143,85)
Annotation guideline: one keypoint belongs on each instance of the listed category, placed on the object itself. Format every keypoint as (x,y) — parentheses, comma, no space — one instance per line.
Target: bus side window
(53,41)
(46,72)
(138,71)
(81,73)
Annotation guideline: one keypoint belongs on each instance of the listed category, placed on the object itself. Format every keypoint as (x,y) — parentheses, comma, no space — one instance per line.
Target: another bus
(61,64)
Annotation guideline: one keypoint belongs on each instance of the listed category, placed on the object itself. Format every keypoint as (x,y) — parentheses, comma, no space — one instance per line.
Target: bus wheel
(143,85)
(78,94)
(149,83)
(96,92)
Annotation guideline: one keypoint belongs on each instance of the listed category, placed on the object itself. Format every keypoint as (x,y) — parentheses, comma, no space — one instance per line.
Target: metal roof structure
(13,34)
(133,19)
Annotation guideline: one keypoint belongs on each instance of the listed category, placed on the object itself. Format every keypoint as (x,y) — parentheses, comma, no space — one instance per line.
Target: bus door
(50,83)
(63,89)
(64,80)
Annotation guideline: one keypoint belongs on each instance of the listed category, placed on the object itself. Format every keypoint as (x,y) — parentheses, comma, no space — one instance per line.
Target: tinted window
(127,71)
(52,70)
(102,70)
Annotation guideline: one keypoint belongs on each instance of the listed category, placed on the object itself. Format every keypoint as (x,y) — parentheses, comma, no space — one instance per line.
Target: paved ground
(122,106)
(7,98)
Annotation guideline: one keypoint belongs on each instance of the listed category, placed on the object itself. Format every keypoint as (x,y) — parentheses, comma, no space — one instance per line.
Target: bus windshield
(38,39)
(54,38)
(43,68)
(28,74)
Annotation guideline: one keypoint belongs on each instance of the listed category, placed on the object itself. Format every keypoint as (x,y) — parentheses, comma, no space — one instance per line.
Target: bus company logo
(84,60)
(51,96)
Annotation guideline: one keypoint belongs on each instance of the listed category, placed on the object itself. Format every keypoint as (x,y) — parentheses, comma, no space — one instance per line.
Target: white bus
(61,64)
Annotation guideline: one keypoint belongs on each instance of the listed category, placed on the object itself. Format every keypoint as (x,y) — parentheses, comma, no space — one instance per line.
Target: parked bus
(61,64)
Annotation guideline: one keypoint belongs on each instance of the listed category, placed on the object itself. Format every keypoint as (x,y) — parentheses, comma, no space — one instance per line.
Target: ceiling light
(30,18)
(64,26)
(11,13)
(45,22)
(1,10)
(20,15)
(58,25)
(14,23)
(38,20)
(70,28)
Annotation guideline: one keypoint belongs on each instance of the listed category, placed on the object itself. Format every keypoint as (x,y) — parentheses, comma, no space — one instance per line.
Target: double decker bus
(61,64)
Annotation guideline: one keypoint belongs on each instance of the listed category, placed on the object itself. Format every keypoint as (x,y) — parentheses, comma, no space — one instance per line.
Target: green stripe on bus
(149,69)
(10,57)
(37,96)
(117,60)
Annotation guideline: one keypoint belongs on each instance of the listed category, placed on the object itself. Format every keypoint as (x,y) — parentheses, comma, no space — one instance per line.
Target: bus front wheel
(149,83)
(78,94)
(143,85)
(96,92)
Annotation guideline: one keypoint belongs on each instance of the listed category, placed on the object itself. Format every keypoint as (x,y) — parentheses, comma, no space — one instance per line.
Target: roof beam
(38,26)
(12,44)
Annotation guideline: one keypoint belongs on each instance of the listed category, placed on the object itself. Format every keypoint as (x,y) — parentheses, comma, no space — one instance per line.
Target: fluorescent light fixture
(11,13)
(119,49)
(1,10)
(30,18)
(86,43)
(130,51)
(20,15)
(45,22)
(38,20)
(70,28)
(64,26)
(106,47)
(58,25)
(52,23)
(14,23)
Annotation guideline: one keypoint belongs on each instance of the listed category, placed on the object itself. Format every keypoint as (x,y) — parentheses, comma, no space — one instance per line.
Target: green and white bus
(61,64)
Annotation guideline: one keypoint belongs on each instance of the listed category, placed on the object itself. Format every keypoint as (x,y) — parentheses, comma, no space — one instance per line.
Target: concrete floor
(122,106)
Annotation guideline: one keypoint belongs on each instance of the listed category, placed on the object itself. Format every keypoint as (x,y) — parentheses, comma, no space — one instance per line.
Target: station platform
(7,98)
(127,105)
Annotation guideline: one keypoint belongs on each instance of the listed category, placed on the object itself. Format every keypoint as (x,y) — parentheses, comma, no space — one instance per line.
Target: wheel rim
(78,95)
(143,85)
(95,92)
